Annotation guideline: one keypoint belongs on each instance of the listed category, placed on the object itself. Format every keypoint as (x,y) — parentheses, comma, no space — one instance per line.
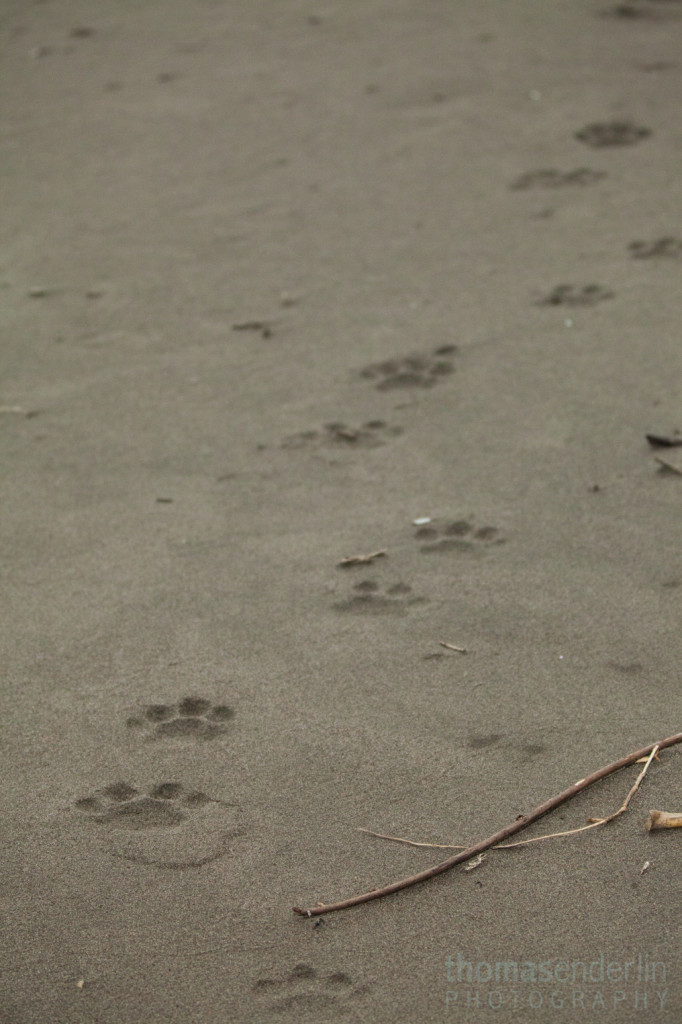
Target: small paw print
(667,248)
(612,133)
(368,597)
(557,179)
(166,826)
(415,371)
(458,535)
(574,295)
(192,718)
(340,435)
(306,992)
(629,12)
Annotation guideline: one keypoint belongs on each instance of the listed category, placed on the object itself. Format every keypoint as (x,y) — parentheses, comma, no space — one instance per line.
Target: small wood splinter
(452,647)
(670,467)
(663,819)
(360,559)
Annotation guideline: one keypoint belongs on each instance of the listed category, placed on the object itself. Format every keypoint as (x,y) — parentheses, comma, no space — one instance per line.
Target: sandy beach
(283,284)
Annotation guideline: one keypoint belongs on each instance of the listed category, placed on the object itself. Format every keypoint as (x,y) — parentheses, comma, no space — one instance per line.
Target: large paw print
(305,991)
(557,179)
(192,718)
(415,371)
(573,295)
(667,248)
(458,535)
(123,806)
(166,826)
(368,597)
(612,133)
(340,435)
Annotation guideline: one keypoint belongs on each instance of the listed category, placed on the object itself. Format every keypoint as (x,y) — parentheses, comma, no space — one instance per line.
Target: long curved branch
(523,821)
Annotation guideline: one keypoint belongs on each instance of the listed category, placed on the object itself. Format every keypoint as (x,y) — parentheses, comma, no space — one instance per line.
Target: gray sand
(200,708)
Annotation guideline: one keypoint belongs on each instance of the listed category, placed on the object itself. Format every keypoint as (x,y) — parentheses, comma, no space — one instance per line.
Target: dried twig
(662,441)
(523,821)
(345,433)
(668,465)
(633,789)
(250,325)
(264,326)
(410,842)
(593,822)
(663,819)
(359,559)
(452,647)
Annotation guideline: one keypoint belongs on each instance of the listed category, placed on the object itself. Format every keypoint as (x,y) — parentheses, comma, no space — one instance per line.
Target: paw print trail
(192,718)
(166,825)
(460,535)
(576,295)
(368,597)
(551,178)
(600,135)
(413,371)
(372,434)
(667,248)
(307,992)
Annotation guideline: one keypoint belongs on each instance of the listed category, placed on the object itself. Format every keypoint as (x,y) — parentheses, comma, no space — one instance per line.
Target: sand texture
(285,283)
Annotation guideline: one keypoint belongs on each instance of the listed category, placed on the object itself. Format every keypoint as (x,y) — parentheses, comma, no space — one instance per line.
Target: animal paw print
(369,435)
(123,806)
(192,718)
(557,179)
(414,371)
(668,248)
(458,535)
(368,597)
(628,12)
(166,826)
(573,295)
(612,133)
(305,991)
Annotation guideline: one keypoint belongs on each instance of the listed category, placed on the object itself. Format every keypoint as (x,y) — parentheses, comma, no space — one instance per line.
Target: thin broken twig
(452,647)
(264,326)
(633,789)
(671,467)
(593,822)
(661,441)
(523,821)
(359,559)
